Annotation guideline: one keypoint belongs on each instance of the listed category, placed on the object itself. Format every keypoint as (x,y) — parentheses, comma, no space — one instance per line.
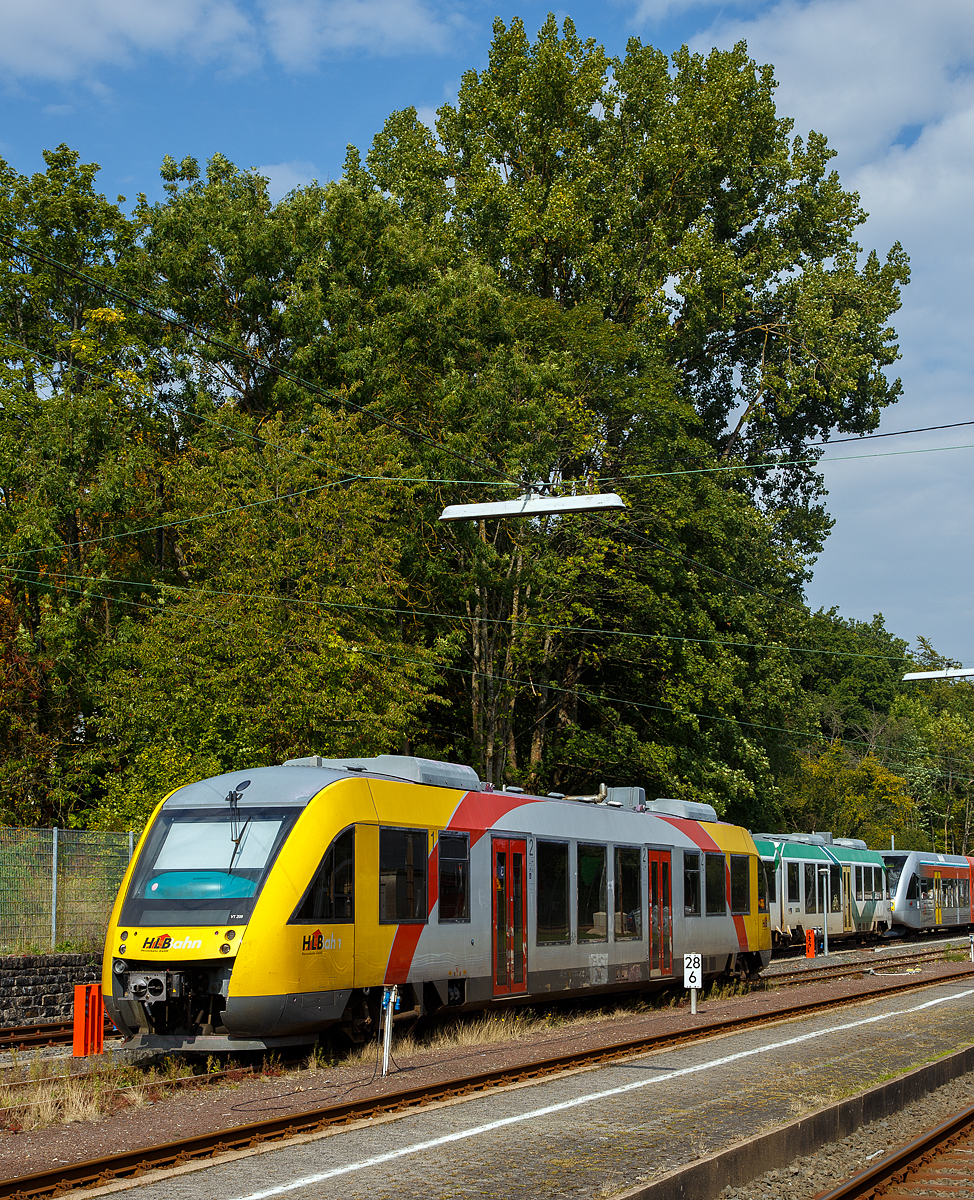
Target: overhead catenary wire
(144,306)
(581,693)
(150,309)
(776,463)
(170,406)
(19,573)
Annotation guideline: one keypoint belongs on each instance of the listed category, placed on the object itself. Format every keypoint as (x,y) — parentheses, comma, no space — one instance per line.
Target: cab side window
(331,893)
(716,885)
(740,870)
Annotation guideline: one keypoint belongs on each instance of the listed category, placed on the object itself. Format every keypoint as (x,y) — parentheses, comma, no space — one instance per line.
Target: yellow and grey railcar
(264,906)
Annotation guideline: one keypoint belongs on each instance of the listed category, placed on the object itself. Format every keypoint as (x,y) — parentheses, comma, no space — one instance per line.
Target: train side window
(911,888)
(454,893)
(835,888)
(867,883)
(794,883)
(593,922)
(740,880)
(762,888)
(691,883)
(771,878)
(859,874)
(403,855)
(811,888)
(716,885)
(554,927)
(330,895)
(628,892)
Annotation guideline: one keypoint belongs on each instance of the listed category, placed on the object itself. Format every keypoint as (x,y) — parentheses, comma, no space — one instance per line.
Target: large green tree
(671,194)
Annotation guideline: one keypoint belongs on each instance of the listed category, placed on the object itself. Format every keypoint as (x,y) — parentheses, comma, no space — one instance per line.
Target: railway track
(838,970)
(104,1170)
(55,1033)
(939,1162)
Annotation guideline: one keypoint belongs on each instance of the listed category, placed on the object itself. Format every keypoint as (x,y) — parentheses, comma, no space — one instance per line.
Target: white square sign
(693,971)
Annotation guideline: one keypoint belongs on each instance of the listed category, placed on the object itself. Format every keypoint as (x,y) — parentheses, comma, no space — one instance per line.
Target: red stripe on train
(476,812)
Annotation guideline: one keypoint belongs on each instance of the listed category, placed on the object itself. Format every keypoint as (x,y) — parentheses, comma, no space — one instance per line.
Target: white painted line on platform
(463,1134)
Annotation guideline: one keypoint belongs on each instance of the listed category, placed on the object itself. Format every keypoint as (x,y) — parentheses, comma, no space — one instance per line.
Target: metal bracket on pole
(389,997)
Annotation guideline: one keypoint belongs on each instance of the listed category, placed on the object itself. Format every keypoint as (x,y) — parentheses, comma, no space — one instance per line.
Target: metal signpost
(693,978)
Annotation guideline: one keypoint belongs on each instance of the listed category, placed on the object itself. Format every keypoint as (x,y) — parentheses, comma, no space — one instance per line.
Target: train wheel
(360,1020)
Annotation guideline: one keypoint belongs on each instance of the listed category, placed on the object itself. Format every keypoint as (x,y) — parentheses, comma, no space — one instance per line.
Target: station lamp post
(824,873)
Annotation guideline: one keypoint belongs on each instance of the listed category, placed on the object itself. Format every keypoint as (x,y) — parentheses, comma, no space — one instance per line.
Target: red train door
(660,919)
(510,916)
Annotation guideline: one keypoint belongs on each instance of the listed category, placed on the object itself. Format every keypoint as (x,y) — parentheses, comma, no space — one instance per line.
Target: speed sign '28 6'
(692,971)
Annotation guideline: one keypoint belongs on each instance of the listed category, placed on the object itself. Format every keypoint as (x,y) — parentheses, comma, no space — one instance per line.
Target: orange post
(809,943)
(89,1020)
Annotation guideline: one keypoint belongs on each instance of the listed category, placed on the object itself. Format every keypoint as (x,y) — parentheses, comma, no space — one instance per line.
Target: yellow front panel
(275,958)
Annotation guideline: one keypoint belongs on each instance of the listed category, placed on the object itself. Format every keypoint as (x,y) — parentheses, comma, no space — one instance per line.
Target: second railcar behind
(817,881)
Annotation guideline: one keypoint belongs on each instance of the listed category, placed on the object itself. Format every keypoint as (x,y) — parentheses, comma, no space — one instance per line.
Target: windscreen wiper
(236,833)
(236,844)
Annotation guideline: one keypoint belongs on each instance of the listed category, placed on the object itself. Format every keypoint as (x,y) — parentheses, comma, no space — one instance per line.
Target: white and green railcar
(817,881)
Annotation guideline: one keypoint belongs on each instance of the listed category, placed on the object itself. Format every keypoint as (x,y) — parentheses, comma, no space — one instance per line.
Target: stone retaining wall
(40,987)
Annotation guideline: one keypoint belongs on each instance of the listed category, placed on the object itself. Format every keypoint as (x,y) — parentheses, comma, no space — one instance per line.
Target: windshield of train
(198,867)
(894,869)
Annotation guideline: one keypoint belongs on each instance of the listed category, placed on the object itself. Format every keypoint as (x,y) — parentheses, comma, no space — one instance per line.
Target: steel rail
(908,1165)
(177,1082)
(54,1033)
(839,969)
(129,1163)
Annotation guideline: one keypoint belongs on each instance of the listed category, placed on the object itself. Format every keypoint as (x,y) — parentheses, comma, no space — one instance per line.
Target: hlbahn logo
(315,941)
(163,941)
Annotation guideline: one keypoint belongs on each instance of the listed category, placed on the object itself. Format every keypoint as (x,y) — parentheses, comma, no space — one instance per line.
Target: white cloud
(64,40)
(860,70)
(659,10)
(284,177)
(891,84)
(301,31)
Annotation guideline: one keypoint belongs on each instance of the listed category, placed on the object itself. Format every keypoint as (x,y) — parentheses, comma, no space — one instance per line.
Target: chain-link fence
(57,886)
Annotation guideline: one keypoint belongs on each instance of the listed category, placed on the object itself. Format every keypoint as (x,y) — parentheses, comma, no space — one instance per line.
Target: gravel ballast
(820,1172)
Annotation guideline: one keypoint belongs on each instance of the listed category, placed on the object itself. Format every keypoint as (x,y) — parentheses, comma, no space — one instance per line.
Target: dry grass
(497,1028)
(47,1094)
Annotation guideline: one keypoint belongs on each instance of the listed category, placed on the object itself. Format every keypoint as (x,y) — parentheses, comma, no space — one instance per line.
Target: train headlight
(224,949)
(119,967)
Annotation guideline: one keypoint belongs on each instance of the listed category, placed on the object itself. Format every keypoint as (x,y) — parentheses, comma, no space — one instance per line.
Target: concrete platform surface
(604,1130)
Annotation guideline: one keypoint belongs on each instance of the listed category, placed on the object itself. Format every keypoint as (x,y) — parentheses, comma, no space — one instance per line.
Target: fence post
(54,889)
(131,844)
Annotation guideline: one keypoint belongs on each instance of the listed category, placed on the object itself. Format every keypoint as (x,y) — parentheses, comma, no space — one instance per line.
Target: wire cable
(226,347)
(460,618)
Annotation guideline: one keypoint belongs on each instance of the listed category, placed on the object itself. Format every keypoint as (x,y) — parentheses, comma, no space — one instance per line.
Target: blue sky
(284,85)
